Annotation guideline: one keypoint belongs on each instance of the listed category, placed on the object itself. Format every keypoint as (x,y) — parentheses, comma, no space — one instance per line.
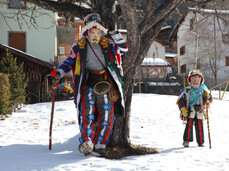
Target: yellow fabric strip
(77,67)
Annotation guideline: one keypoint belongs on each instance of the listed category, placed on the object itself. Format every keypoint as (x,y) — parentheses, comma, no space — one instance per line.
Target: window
(17,40)
(182,50)
(227,60)
(191,23)
(183,68)
(225,38)
(62,50)
(16,4)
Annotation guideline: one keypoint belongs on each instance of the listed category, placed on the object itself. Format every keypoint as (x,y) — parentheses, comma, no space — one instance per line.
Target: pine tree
(17,80)
(5,107)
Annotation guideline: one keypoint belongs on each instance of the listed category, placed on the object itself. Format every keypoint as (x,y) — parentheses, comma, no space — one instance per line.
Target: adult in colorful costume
(96,58)
(191,103)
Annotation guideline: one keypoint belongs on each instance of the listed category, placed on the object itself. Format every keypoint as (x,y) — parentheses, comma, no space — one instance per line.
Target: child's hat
(195,73)
(93,21)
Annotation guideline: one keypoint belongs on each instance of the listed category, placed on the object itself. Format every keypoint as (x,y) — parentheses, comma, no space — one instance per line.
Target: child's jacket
(194,101)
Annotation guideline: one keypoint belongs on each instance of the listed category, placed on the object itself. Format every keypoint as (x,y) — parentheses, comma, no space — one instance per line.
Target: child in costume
(191,102)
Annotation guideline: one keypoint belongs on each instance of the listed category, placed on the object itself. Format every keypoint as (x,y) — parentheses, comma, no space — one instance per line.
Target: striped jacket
(111,49)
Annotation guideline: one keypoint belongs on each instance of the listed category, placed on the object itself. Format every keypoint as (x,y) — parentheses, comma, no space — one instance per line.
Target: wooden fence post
(225,89)
(220,89)
(210,82)
(184,79)
(139,80)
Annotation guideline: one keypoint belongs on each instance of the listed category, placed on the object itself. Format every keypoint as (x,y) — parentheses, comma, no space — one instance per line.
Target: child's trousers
(188,132)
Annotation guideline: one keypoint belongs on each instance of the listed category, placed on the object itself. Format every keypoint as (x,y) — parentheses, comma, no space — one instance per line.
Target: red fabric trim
(200,131)
(93,132)
(111,57)
(99,72)
(118,58)
(202,78)
(100,123)
(83,114)
(92,125)
(189,128)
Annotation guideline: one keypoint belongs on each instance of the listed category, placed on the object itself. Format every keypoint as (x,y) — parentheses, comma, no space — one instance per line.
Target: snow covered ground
(154,123)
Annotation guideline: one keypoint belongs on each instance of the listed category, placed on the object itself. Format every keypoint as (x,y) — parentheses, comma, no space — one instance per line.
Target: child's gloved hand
(206,94)
(184,111)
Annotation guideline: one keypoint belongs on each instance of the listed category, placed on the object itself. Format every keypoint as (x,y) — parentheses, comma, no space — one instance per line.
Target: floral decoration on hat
(93,21)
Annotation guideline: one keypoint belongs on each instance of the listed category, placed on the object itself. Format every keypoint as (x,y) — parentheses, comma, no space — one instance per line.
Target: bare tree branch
(64,7)
(149,8)
(159,13)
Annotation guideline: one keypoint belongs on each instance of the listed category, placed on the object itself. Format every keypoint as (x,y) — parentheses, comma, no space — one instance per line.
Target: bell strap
(99,72)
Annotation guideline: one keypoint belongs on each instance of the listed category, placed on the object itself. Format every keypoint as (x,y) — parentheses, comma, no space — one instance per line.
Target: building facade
(203,43)
(29,29)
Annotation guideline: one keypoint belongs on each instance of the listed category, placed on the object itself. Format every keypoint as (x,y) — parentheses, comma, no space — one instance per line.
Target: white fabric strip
(113,73)
(106,114)
(91,108)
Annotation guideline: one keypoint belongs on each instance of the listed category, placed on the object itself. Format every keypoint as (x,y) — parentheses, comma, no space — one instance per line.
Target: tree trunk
(138,46)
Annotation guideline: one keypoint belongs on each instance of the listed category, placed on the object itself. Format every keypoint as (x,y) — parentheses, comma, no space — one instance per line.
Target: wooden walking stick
(52,95)
(209,137)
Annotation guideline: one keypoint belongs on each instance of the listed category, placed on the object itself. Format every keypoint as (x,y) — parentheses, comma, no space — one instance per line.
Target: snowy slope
(154,123)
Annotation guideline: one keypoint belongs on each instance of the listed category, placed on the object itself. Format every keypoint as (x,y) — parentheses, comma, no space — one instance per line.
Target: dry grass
(120,152)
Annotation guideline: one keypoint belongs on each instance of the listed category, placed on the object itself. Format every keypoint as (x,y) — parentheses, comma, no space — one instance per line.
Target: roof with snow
(26,56)
(210,11)
(166,27)
(154,62)
(170,55)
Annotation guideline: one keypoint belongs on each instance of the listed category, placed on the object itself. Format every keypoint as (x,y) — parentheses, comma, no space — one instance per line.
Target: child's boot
(186,144)
(201,145)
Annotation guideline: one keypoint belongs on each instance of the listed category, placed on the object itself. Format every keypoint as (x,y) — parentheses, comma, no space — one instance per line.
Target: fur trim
(81,43)
(194,73)
(91,25)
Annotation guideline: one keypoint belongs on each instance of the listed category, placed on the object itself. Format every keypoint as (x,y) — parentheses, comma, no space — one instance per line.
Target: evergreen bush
(17,80)
(5,107)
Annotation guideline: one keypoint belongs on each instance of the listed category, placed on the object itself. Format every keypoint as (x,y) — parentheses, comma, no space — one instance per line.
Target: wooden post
(184,79)
(47,88)
(139,80)
(220,88)
(54,81)
(224,90)
(210,82)
(209,137)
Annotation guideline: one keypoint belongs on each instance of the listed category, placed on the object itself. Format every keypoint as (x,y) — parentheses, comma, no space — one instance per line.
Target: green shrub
(5,107)
(17,80)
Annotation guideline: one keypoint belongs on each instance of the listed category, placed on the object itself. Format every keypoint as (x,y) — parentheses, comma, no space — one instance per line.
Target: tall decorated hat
(195,73)
(93,21)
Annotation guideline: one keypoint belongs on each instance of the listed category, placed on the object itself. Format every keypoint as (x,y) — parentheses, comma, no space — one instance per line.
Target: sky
(154,122)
